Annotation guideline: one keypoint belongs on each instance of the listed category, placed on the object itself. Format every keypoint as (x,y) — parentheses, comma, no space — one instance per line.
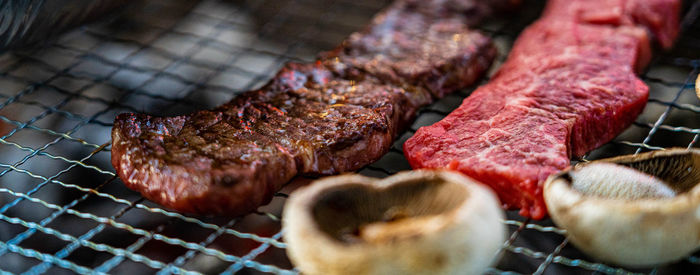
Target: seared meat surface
(335,115)
(406,47)
(231,159)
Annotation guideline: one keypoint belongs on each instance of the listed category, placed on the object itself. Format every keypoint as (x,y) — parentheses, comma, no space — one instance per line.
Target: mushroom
(697,86)
(636,210)
(421,222)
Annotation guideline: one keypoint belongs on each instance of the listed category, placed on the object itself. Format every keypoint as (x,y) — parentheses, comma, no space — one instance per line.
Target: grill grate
(63,210)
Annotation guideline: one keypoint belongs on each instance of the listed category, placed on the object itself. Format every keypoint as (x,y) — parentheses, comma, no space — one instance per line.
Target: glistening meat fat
(568,86)
(338,114)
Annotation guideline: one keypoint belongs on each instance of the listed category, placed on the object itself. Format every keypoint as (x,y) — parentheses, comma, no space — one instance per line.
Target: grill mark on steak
(338,114)
(400,44)
(567,87)
(239,152)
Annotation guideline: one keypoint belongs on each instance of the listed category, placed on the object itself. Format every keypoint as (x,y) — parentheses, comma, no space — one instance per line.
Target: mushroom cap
(418,222)
(639,232)
(697,86)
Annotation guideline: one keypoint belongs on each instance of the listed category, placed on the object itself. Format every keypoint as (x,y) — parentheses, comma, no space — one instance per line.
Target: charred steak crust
(232,159)
(401,44)
(568,86)
(338,114)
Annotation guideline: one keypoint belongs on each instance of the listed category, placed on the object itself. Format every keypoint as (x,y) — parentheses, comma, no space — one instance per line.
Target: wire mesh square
(63,210)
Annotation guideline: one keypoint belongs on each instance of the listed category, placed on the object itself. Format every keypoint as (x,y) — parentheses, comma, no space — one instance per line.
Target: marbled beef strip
(568,86)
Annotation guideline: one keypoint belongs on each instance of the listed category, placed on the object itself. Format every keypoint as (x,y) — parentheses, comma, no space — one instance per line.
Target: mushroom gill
(610,180)
(355,213)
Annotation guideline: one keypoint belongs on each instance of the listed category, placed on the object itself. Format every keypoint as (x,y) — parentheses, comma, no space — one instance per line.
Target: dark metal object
(62,210)
(24,22)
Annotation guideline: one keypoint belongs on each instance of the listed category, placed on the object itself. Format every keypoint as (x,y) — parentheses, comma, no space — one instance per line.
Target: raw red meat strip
(568,86)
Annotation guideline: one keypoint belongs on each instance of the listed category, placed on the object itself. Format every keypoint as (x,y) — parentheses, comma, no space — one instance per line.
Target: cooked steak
(567,87)
(233,158)
(336,115)
(406,47)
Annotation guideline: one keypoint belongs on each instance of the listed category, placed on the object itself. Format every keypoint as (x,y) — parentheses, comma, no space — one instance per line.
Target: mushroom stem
(383,232)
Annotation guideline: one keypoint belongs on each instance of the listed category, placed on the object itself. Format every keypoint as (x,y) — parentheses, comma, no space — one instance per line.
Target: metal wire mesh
(63,210)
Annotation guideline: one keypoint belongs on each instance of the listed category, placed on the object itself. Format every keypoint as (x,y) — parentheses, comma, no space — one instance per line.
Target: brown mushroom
(644,211)
(419,222)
